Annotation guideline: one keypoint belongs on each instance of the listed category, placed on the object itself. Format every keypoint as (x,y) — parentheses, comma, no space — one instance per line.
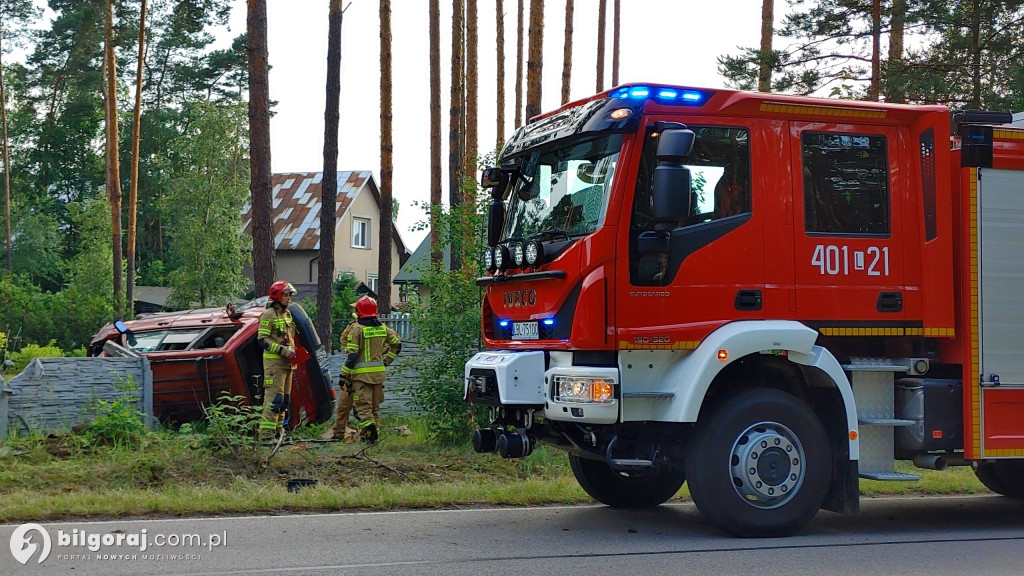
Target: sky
(662,41)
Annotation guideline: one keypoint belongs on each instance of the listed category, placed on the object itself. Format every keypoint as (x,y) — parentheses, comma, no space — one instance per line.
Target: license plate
(525,331)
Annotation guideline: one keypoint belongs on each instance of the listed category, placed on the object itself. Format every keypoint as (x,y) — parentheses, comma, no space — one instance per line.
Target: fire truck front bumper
(505,378)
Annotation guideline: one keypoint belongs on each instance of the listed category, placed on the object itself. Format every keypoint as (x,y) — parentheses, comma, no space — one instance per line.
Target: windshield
(564,188)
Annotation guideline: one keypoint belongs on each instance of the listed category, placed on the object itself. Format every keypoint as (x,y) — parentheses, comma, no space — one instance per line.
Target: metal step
(890,476)
(631,463)
(649,395)
(878,365)
(895,422)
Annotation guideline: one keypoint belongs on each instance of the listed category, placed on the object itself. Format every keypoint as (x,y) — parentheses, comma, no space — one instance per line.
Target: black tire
(607,486)
(745,469)
(1004,477)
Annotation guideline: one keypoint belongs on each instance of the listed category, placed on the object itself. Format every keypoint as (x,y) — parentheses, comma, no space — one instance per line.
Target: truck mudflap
(505,378)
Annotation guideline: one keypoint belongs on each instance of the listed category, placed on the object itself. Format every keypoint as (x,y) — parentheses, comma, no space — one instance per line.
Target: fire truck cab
(765,296)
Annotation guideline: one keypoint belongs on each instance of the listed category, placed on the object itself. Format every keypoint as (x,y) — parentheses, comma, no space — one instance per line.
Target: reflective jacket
(370,350)
(277,330)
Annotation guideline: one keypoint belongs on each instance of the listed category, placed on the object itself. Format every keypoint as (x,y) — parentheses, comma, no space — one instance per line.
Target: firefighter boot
(370,434)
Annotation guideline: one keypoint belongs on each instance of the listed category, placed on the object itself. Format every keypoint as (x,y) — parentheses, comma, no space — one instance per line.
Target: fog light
(582,389)
(501,258)
(534,252)
(489,259)
(518,255)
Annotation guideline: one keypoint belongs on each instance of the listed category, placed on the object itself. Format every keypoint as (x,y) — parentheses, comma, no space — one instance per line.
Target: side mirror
(674,144)
(671,195)
(490,177)
(124,330)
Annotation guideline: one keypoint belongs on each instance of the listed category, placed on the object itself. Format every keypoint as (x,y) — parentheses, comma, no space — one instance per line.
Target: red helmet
(280,288)
(366,307)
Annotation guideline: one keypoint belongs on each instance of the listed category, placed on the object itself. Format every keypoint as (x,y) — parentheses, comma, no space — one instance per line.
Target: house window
(371,282)
(360,233)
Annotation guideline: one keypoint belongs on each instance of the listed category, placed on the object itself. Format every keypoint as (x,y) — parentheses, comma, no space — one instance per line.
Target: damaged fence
(59,393)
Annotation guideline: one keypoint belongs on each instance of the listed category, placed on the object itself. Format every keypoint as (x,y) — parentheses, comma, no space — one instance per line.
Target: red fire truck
(766,296)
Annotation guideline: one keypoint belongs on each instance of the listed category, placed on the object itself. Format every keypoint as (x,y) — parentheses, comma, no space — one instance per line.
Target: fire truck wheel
(1004,477)
(759,464)
(613,489)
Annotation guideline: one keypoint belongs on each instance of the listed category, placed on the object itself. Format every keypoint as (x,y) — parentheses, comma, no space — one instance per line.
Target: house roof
(296,206)
(419,261)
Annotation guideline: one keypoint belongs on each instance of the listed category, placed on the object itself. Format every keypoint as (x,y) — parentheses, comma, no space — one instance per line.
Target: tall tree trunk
(113,179)
(876,49)
(436,249)
(535,63)
(500,134)
(602,8)
(567,52)
(263,266)
(7,164)
(519,68)
(894,64)
(615,43)
(456,127)
(764,71)
(386,149)
(329,184)
(976,54)
(133,181)
(472,42)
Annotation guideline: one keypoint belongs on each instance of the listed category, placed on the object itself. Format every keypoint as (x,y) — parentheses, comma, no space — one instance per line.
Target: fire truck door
(847,212)
(711,268)
(1000,314)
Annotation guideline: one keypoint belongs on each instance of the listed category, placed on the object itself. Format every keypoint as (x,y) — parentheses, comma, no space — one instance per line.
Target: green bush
(449,322)
(341,305)
(23,357)
(231,425)
(117,423)
(33,316)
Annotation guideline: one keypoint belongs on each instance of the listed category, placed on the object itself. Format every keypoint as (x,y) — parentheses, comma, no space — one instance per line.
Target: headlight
(517,254)
(582,389)
(501,259)
(534,251)
(489,259)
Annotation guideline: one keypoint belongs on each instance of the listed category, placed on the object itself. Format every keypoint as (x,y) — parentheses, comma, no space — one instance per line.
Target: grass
(172,474)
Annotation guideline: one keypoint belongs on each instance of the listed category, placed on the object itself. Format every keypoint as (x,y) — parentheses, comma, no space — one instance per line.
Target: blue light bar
(693,96)
(677,96)
(549,321)
(503,323)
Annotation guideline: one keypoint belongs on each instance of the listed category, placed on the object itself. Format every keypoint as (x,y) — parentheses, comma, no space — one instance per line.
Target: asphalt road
(892,536)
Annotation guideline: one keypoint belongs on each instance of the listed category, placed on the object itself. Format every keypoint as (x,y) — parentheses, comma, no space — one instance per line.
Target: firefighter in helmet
(370,347)
(276,336)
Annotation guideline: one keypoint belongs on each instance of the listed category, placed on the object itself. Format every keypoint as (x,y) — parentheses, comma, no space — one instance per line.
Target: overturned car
(197,356)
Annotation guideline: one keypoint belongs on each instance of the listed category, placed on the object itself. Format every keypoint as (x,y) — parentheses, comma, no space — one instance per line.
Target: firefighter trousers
(277,386)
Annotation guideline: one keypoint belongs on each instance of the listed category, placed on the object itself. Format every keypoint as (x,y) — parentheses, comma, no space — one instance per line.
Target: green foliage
(117,423)
(36,249)
(23,357)
(341,305)
(344,296)
(231,425)
(91,270)
(449,322)
(203,205)
(154,273)
(69,318)
(966,54)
